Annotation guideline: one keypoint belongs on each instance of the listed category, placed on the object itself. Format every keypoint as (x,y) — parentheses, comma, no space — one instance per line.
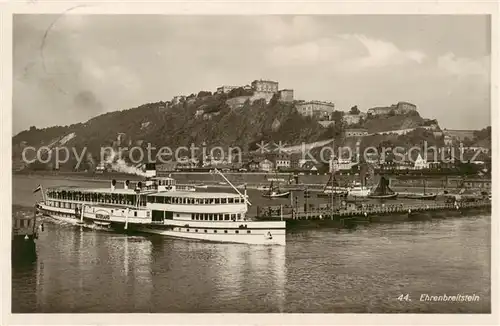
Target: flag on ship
(37,189)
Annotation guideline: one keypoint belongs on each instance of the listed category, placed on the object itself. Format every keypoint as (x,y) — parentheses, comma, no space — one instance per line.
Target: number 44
(404,297)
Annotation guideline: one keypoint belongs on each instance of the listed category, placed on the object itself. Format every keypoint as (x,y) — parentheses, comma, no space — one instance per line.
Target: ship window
(210,217)
(196,230)
(217,200)
(226,217)
(231,200)
(248,231)
(111,211)
(215,231)
(177,215)
(135,213)
(192,216)
(239,216)
(205,231)
(223,201)
(236,231)
(187,230)
(233,217)
(221,217)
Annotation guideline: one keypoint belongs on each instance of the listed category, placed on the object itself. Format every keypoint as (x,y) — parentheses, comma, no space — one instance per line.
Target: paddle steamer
(157,206)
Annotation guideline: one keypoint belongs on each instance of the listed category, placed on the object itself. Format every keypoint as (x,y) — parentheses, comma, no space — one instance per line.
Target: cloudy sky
(72,67)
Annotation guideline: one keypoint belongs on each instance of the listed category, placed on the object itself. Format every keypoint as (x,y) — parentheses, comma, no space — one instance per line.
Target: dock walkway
(366,212)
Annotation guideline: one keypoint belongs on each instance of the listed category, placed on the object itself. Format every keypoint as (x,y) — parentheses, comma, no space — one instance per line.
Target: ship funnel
(150,170)
(126,184)
(113,184)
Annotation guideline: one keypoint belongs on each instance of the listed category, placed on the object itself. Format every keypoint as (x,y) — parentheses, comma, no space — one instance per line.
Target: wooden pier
(367,213)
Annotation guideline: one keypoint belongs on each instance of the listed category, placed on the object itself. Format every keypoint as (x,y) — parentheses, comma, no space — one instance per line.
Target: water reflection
(318,271)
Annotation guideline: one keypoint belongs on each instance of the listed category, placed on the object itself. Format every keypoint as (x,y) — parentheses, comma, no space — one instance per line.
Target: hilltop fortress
(321,111)
(261,89)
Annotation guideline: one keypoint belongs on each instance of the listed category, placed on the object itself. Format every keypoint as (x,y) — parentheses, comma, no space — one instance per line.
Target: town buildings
(224,89)
(281,161)
(405,107)
(261,89)
(459,135)
(265,86)
(399,108)
(379,110)
(340,164)
(317,109)
(266,165)
(420,163)
(286,95)
(352,119)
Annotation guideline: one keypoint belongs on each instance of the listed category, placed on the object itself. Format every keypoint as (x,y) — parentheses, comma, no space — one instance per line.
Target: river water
(364,269)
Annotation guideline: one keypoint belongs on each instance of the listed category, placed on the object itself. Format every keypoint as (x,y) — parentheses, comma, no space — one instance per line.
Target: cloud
(382,53)
(345,51)
(458,66)
(292,29)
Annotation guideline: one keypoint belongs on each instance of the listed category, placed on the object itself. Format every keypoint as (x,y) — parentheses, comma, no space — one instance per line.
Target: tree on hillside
(337,116)
(240,91)
(482,134)
(204,93)
(468,142)
(354,110)
(274,99)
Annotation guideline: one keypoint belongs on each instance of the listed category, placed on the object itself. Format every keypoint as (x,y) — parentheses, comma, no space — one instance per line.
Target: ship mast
(232,186)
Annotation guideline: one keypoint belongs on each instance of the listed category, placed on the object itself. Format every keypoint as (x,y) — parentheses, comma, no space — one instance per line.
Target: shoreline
(239,178)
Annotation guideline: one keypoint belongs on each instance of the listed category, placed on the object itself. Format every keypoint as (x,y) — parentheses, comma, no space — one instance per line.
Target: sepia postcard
(249,163)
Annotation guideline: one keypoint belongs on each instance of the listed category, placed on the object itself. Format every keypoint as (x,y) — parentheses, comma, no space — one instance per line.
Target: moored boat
(358,190)
(382,191)
(275,192)
(332,188)
(158,207)
(421,196)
